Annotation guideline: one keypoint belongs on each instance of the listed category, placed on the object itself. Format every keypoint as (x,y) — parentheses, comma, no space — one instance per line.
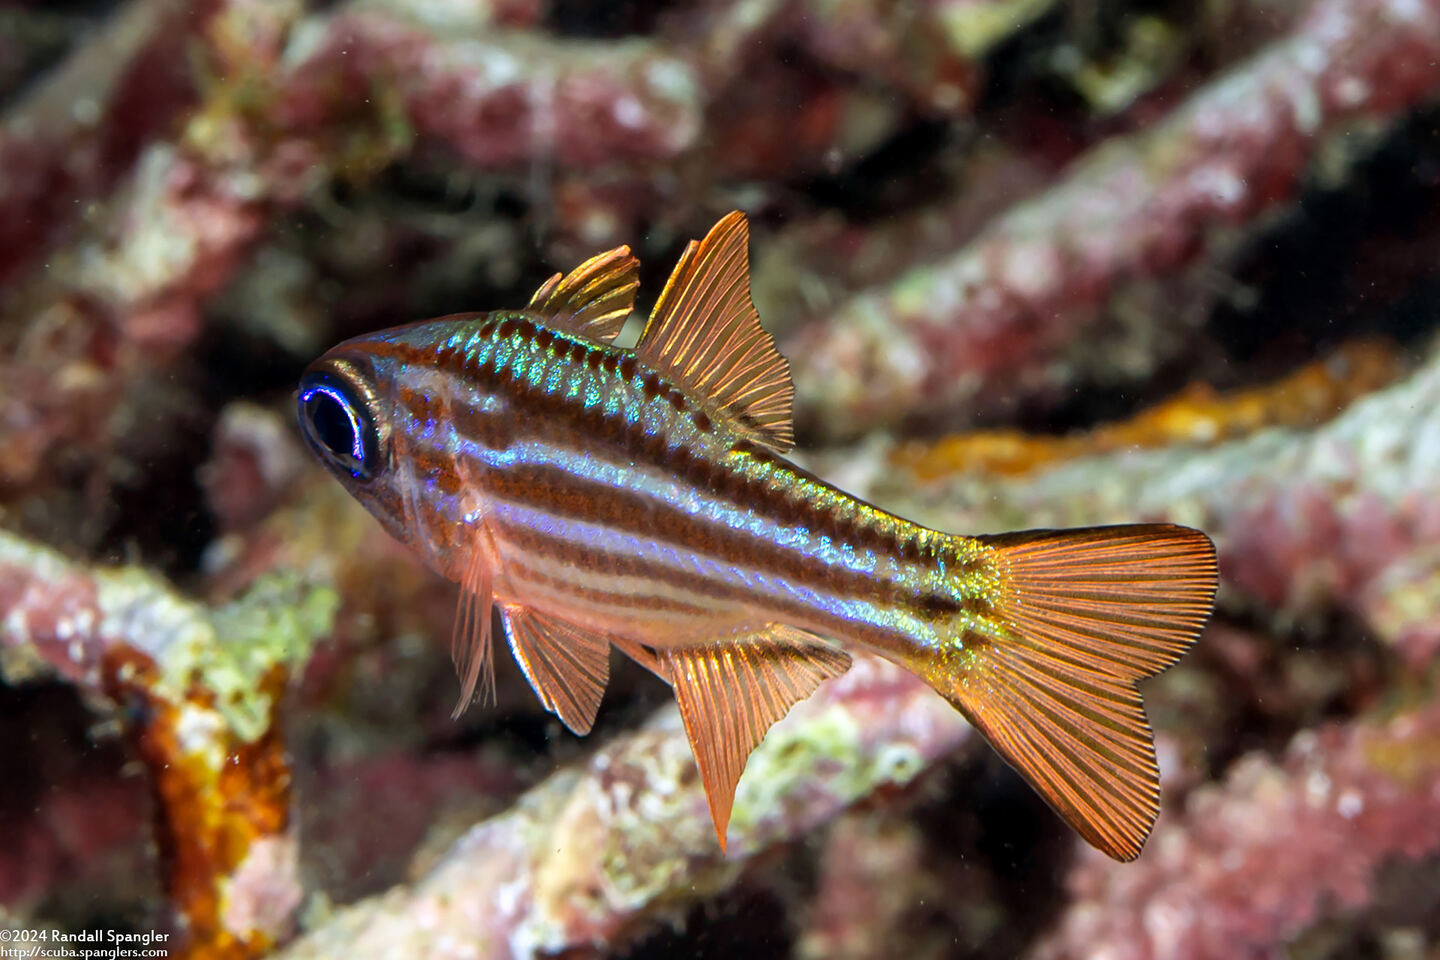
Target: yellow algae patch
(1197,416)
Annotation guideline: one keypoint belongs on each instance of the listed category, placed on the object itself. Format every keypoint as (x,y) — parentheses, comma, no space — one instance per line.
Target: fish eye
(337,416)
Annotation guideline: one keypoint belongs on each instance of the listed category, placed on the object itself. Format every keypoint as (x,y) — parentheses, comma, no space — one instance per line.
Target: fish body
(608,497)
(601,496)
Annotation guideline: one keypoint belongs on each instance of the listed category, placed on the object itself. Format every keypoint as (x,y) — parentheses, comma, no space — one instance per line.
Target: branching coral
(595,854)
(1197,416)
(1255,861)
(1307,521)
(200,689)
(76,135)
(1006,316)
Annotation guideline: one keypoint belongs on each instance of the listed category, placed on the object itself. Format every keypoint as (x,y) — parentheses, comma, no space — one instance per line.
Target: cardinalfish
(640,499)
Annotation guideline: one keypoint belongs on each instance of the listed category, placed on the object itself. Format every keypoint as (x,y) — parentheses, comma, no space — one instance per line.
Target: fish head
(374,410)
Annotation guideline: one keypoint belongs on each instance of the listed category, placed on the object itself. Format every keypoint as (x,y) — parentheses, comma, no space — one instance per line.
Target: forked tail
(1083,615)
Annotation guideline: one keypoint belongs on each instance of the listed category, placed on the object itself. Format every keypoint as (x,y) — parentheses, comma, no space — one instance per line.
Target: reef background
(1033,264)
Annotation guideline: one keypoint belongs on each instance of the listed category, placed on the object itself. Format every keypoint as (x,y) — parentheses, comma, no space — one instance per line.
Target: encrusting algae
(601,496)
(1197,416)
(199,690)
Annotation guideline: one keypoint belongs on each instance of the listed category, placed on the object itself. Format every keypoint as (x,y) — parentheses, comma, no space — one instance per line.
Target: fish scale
(601,496)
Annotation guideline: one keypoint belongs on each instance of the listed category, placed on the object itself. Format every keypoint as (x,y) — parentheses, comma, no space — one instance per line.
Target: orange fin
(566,664)
(470,646)
(1082,615)
(641,654)
(704,334)
(731,691)
(592,300)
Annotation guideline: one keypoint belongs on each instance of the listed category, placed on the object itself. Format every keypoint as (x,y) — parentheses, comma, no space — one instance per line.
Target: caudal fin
(1083,615)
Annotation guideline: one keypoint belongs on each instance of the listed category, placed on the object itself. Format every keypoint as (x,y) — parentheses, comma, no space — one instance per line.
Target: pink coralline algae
(1006,316)
(600,852)
(1155,261)
(129,289)
(495,103)
(1278,846)
(74,136)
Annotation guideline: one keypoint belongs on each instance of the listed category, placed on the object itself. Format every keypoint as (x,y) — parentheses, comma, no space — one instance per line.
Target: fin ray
(594,299)
(567,665)
(706,335)
(1160,581)
(1086,613)
(731,691)
(470,645)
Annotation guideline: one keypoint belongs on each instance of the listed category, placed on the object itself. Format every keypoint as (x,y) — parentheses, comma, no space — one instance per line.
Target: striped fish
(602,497)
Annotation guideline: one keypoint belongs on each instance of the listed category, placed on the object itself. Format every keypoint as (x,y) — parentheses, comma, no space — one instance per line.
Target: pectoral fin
(731,691)
(566,664)
(470,646)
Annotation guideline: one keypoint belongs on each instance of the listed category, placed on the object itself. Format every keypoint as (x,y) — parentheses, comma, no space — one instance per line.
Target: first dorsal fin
(732,690)
(705,334)
(592,300)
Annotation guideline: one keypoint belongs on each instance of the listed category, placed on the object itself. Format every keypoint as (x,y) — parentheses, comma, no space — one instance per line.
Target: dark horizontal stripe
(560,493)
(617,601)
(782,609)
(789,496)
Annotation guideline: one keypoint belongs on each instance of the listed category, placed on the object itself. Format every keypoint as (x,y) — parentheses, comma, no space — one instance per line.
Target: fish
(640,499)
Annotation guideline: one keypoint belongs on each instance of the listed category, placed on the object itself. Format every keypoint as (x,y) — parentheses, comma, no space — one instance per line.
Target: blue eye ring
(336,409)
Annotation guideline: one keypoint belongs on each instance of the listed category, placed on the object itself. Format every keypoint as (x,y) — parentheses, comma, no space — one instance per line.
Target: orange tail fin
(1084,614)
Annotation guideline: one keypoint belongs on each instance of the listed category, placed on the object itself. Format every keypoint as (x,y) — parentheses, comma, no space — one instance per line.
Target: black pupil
(332,426)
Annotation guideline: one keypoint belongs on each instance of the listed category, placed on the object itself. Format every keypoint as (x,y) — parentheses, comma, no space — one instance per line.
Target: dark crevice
(609,20)
(1344,262)
(76,816)
(1362,259)
(744,922)
(899,174)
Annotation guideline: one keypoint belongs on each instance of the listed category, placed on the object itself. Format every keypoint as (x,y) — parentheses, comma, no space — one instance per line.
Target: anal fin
(732,690)
(567,664)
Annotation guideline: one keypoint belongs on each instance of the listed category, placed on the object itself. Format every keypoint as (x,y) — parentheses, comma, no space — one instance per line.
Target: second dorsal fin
(592,300)
(704,333)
